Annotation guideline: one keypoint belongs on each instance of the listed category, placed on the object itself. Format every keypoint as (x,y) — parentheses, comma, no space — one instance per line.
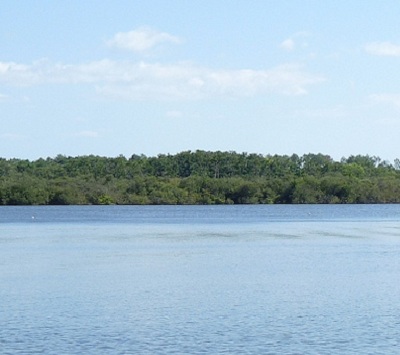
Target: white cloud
(141,39)
(191,82)
(174,114)
(383,49)
(3,97)
(11,72)
(142,81)
(288,45)
(297,39)
(392,99)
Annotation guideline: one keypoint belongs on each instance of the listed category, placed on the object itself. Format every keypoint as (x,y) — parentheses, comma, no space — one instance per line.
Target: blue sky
(149,77)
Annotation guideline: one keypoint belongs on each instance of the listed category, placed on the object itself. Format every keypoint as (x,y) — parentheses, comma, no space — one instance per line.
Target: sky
(153,77)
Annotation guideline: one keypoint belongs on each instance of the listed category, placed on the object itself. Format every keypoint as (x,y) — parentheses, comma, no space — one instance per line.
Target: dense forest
(199,177)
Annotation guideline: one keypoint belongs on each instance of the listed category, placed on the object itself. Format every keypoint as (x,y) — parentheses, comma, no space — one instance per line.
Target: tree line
(199,177)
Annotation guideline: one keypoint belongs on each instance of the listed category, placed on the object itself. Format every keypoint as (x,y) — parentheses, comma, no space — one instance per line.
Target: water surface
(200,279)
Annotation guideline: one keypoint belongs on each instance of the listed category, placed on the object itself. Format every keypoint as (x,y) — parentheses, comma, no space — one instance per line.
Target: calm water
(197,279)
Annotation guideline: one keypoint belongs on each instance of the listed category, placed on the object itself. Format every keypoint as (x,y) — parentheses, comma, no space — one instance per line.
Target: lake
(304,279)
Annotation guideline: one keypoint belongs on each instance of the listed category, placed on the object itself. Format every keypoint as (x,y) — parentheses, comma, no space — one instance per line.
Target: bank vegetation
(199,177)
